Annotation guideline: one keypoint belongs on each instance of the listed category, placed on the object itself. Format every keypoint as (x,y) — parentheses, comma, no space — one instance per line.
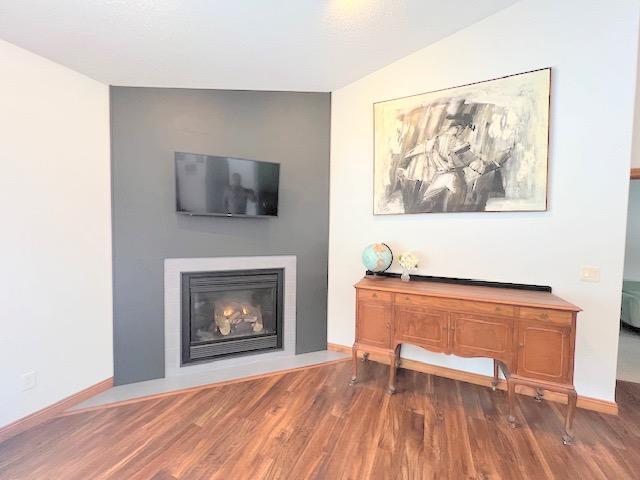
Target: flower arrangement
(408,261)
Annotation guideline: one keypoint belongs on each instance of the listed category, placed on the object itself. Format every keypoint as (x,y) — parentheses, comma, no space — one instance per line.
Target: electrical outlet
(29,380)
(590,274)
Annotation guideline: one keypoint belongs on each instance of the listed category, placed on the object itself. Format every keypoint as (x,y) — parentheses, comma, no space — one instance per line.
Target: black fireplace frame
(233,278)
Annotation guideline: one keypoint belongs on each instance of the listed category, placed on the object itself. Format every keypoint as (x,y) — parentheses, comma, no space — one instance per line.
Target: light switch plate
(590,274)
(29,380)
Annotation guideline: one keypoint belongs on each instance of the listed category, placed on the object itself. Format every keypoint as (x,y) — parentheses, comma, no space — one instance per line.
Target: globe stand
(375,276)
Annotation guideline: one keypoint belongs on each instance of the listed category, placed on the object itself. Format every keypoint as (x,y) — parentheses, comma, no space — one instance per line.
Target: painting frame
(547,139)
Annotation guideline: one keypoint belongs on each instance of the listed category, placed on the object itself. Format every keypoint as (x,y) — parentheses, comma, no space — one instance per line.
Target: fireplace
(230,313)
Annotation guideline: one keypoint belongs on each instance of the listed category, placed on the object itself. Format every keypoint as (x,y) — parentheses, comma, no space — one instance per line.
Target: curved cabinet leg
(511,398)
(365,357)
(568,437)
(496,373)
(354,366)
(539,395)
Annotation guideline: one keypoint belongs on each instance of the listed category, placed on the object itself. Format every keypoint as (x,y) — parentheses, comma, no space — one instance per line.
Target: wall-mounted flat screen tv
(225,186)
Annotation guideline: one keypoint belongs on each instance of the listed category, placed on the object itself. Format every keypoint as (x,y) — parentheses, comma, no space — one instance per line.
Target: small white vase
(405,277)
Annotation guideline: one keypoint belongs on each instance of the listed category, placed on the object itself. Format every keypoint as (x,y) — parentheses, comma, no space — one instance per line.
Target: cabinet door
(420,326)
(545,351)
(373,324)
(482,336)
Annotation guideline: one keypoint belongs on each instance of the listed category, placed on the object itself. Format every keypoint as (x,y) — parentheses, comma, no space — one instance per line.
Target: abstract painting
(475,148)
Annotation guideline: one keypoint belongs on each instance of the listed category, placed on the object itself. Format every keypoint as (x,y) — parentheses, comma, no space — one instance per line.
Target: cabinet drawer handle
(521,346)
(374,295)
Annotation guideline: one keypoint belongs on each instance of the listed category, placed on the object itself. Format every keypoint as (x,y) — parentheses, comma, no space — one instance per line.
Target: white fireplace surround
(173,267)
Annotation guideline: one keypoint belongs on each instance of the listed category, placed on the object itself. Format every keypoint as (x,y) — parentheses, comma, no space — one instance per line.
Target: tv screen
(210,185)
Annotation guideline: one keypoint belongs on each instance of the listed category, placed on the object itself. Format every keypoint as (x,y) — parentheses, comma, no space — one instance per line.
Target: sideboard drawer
(418,300)
(374,296)
(455,305)
(555,317)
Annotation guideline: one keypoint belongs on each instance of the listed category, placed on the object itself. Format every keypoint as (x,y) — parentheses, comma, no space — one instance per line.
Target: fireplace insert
(231,313)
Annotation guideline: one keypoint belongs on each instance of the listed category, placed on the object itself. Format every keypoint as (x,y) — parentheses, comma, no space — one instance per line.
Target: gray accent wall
(147,126)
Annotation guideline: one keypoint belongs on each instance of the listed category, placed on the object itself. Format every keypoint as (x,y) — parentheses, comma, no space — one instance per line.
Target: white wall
(635,148)
(632,254)
(55,245)
(591,47)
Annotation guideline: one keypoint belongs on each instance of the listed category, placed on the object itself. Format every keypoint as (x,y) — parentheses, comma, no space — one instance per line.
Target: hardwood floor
(311,424)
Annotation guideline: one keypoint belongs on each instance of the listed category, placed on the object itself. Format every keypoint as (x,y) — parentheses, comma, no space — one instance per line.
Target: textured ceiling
(305,45)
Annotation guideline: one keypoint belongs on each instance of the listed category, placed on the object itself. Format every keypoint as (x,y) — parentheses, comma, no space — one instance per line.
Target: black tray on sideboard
(465,281)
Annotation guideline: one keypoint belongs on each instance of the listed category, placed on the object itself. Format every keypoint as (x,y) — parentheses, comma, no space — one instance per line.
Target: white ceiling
(305,45)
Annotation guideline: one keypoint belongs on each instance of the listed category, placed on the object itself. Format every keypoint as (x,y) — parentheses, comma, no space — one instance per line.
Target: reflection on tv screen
(211,185)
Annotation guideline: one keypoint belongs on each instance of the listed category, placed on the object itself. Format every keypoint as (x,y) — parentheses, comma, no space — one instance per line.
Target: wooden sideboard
(530,335)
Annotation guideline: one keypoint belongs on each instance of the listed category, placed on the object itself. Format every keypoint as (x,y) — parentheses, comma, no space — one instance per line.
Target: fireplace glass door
(230,313)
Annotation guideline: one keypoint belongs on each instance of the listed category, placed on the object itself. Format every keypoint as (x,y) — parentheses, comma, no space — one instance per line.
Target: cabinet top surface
(508,296)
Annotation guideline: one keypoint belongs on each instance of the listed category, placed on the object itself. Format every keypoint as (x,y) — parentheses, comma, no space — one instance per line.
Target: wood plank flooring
(311,424)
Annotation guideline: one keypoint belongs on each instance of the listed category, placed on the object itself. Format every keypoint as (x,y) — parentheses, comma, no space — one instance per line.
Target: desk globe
(377,257)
